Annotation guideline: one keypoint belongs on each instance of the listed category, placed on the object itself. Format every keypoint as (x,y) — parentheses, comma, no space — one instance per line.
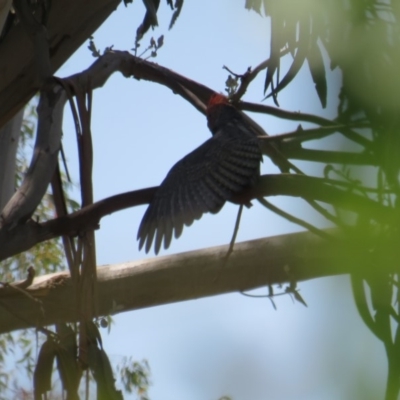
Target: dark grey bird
(206,178)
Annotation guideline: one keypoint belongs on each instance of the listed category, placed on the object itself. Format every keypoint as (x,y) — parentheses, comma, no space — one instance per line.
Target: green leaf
(150,18)
(298,297)
(44,369)
(100,367)
(318,73)
(254,5)
(160,41)
(175,15)
(135,376)
(67,363)
(151,11)
(274,59)
(94,334)
(299,58)
(289,32)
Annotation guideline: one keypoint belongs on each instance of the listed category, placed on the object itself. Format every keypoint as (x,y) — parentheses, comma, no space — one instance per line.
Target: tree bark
(191,275)
(5,6)
(70,23)
(48,142)
(9,136)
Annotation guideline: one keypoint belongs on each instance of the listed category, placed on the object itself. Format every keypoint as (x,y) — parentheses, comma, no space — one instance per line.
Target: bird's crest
(217,98)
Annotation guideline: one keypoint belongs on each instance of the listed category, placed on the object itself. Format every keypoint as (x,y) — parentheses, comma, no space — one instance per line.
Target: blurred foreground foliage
(362,39)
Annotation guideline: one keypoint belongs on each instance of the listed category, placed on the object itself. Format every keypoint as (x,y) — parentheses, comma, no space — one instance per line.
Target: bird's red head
(216,99)
(218,111)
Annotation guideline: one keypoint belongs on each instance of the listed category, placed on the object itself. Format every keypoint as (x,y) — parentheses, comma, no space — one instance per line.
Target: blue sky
(230,344)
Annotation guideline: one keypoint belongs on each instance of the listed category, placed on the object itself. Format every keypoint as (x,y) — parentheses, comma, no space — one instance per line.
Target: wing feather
(213,202)
(200,182)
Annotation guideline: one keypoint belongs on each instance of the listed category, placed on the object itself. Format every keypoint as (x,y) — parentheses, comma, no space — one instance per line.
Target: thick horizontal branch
(185,276)
(25,236)
(319,189)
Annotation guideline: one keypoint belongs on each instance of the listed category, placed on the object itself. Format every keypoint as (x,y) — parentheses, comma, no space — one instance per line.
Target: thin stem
(250,75)
(302,135)
(297,116)
(296,220)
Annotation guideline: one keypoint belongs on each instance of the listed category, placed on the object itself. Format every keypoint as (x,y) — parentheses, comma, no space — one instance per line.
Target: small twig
(21,287)
(296,220)
(290,145)
(61,210)
(46,332)
(273,152)
(303,135)
(241,76)
(327,156)
(298,116)
(325,213)
(64,161)
(289,290)
(250,75)
(292,289)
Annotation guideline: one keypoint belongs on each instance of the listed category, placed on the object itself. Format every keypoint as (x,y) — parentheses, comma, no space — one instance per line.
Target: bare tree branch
(298,116)
(251,74)
(31,233)
(181,277)
(301,135)
(48,141)
(329,157)
(131,66)
(27,235)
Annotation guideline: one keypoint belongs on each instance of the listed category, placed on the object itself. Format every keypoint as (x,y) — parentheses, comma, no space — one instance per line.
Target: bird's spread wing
(200,182)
